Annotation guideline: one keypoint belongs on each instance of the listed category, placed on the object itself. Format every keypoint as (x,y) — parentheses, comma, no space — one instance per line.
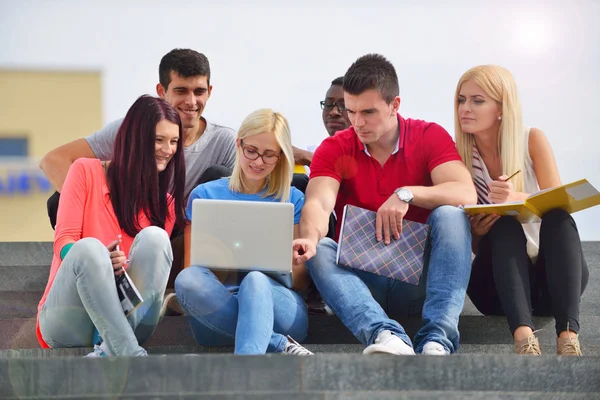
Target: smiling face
(371,116)
(188,96)
(254,167)
(477,112)
(165,146)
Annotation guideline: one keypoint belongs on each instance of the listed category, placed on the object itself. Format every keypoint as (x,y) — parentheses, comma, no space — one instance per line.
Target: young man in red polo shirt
(400,168)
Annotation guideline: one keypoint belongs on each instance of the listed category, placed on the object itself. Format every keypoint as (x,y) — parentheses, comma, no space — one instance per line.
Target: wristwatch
(405,195)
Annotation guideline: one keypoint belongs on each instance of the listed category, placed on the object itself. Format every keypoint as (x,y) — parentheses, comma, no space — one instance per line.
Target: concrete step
(548,350)
(23,304)
(24,266)
(316,376)
(360,395)
(475,330)
(24,270)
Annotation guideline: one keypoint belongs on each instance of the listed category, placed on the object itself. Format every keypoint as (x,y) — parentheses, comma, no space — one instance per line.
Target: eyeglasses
(252,154)
(328,105)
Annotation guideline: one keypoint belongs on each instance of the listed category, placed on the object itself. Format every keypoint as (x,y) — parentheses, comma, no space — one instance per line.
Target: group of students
(126,194)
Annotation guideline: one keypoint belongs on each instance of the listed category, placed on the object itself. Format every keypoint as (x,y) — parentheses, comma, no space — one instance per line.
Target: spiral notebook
(359,249)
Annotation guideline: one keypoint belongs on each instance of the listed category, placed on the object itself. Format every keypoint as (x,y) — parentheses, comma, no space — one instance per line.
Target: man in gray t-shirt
(209,149)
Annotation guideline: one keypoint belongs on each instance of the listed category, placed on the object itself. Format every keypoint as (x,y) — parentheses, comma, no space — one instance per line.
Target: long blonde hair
(279,181)
(498,83)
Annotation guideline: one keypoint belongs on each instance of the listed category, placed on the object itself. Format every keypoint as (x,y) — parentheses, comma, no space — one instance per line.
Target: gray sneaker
(294,348)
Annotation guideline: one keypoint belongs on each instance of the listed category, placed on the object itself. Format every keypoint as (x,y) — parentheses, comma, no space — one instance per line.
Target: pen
(512,176)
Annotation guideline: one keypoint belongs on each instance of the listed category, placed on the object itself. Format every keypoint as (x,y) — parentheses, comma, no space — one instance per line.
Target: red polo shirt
(422,146)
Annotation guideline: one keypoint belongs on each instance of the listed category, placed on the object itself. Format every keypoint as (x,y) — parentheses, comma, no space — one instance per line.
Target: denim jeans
(254,316)
(84,295)
(358,298)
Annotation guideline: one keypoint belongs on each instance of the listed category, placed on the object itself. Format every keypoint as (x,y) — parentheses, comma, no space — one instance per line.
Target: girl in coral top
(113,217)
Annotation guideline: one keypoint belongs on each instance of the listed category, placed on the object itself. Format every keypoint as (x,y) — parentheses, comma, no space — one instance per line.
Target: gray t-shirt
(216,146)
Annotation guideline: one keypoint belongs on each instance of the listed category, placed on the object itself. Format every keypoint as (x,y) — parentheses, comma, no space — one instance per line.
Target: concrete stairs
(484,367)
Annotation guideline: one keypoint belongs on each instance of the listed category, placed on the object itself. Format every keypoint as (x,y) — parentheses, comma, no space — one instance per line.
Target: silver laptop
(243,236)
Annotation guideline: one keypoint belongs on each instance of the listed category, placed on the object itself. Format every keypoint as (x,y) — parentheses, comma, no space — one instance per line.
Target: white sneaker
(294,348)
(434,349)
(389,343)
(100,350)
(166,304)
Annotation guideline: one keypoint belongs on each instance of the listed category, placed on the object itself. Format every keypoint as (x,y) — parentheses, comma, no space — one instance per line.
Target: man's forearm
(313,223)
(448,193)
(302,157)
(55,170)
(307,157)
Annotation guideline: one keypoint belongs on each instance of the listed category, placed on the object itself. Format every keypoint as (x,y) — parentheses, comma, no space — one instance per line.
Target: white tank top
(530,185)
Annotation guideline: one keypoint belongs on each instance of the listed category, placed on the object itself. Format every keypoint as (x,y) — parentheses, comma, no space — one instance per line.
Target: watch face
(405,195)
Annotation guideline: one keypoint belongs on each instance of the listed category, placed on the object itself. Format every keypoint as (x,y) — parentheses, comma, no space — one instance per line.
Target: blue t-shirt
(219,190)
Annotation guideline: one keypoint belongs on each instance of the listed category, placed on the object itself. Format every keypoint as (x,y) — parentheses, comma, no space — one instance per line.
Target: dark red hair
(133,179)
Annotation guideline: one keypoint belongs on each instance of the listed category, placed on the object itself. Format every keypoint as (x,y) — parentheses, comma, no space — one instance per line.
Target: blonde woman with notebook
(519,270)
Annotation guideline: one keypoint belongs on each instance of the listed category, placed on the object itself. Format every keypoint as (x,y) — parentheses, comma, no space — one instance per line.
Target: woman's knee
(154,237)
(91,254)
(554,218)
(508,228)
(194,281)
(255,281)
(89,246)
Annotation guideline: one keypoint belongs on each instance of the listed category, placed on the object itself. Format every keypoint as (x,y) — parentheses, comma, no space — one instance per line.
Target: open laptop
(243,236)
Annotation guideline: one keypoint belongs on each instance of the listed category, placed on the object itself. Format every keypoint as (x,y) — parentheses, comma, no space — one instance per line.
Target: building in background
(39,110)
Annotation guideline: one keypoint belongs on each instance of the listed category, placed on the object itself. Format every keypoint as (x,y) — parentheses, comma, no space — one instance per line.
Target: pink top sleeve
(71,207)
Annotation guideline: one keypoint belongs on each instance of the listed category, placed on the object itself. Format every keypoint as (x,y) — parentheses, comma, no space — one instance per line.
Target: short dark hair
(184,62)
(338,81)
(372,71)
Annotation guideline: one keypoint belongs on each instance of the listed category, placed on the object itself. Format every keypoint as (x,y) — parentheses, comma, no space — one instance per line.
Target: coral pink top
(85,210)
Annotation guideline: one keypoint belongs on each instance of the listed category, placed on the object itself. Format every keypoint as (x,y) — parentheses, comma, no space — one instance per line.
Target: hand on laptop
(303,250)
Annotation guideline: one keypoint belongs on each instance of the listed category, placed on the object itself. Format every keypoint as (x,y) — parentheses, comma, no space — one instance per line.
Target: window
(14,147)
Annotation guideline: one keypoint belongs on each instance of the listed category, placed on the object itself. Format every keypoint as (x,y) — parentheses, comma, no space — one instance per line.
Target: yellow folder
(572,197)
(299,169)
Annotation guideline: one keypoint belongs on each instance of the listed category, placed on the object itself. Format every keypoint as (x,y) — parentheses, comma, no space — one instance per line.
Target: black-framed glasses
(328,105)
(252,154)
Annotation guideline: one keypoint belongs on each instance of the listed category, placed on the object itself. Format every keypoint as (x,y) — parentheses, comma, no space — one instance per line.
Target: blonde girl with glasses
(250,311)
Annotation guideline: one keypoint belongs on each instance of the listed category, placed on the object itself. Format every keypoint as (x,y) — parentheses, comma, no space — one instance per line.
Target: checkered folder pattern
(358,248)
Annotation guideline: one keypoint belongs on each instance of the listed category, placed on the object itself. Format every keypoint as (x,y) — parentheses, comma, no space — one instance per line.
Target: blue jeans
(254,316)
(358,297)
(84,295)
